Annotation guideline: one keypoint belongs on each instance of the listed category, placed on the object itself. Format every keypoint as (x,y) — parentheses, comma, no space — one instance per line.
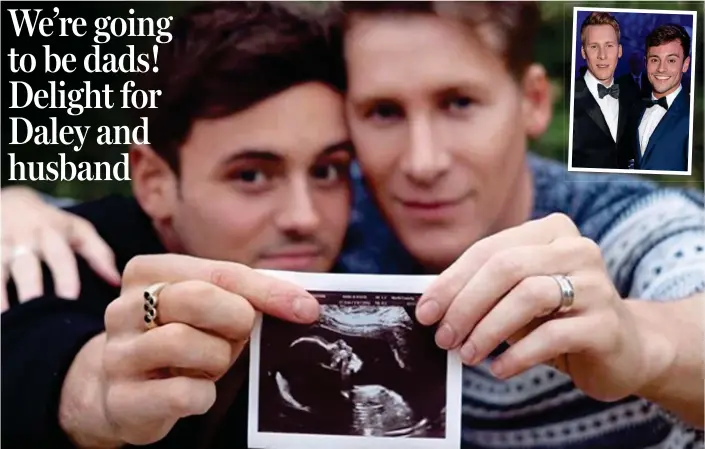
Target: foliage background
(554,50)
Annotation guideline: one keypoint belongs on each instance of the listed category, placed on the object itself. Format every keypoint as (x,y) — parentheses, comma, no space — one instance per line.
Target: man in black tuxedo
(637,80)
(600,105)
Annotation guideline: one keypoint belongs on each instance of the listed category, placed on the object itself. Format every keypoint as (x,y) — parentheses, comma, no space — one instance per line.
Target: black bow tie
(661,102)
(612,91)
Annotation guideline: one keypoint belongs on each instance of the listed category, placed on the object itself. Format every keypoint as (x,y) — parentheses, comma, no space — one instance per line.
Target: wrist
(658,348)
(672,338)
(81,412)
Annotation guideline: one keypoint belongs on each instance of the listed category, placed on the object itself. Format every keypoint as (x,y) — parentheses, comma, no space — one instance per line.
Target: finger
(173,345)
(497,276)
(145,411)
(452,280)
(205,306)
(548,341)
(532,298)
(267,294)
(88,243)
(26,270)
(62,264)
(199,304)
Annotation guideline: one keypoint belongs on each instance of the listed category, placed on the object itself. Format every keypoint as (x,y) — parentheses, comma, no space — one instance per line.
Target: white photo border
(693,52)
(352,283)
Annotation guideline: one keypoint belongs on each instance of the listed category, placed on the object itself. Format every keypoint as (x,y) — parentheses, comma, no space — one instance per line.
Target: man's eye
(456,104)
(384,111)
(250,176)
(327,172)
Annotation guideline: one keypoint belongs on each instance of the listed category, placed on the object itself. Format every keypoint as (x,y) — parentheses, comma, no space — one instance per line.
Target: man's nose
(601,53)
(426,160)
(298,213)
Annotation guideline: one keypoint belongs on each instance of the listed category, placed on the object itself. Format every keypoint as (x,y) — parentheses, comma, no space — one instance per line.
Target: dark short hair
(227,56)
(668,33)
(516,23)
(600,18)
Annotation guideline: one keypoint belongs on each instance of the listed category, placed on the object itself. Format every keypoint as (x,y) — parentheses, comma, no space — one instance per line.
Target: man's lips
(294,252)
(662,77)
(428,204)
(431,209)
(292,259)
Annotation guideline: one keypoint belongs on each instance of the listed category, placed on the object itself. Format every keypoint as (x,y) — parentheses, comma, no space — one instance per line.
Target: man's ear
(154,183)
(538,101)
(686,64)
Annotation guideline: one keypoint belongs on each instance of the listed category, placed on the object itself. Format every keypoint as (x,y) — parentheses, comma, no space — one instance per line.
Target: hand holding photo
(366,374)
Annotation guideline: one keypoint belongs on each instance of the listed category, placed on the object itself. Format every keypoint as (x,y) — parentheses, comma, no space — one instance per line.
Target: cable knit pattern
(653,244)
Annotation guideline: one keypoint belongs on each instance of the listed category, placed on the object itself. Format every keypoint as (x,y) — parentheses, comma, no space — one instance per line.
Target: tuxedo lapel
(585,100)
(624,109)
(639,156)
(673,113)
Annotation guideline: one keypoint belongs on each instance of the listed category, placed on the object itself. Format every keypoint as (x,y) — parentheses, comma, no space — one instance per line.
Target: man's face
(665,66)
(268,187)
(601,51)
(439,127)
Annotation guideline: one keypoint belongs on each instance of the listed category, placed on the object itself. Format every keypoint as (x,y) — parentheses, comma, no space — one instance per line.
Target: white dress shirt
(652,117)
(608,104)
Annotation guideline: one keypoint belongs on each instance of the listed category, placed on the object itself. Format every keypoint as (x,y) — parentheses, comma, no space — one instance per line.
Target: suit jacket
(668,145)
(593,146)
(627,81)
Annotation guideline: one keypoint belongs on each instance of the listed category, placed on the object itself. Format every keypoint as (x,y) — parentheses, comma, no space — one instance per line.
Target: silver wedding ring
(567,294)
(151,300)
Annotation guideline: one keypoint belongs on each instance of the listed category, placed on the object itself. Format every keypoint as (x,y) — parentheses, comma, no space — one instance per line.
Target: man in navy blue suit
(662,134)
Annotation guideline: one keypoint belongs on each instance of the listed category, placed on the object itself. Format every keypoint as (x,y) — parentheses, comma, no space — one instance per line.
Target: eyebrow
(461,87)
(601,42)
(270,155)
(668,56)
(343,145)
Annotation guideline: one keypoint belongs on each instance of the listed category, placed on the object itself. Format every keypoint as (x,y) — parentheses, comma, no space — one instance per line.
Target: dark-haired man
(663,132)
(248,162)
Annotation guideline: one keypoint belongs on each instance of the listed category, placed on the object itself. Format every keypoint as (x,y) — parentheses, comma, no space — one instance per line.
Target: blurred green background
(553,50)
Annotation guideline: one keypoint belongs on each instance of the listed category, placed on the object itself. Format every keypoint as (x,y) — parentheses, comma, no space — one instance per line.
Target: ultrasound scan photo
(365,368)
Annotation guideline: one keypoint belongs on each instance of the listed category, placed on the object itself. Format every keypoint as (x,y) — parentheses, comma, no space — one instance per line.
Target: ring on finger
(151,301)
(19,251)
(567,294)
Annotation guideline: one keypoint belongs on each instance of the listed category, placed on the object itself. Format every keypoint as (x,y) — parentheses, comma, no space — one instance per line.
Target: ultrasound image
(365,368)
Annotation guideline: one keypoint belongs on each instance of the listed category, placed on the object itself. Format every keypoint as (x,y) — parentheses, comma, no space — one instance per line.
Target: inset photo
(632,91)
